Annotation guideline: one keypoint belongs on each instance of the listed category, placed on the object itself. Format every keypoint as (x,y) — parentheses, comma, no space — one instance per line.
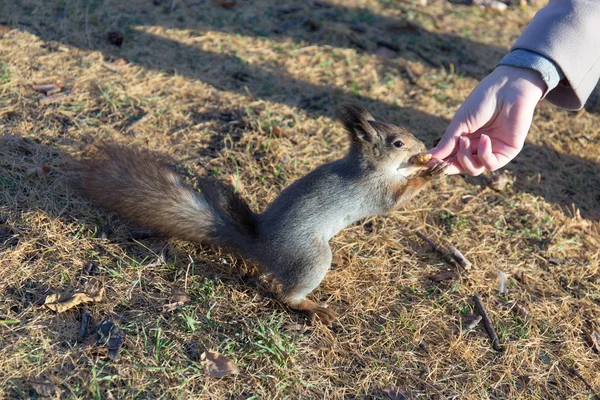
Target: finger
(486,156)
(469,162)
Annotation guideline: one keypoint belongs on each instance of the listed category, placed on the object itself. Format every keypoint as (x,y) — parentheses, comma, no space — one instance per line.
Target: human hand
(489,129)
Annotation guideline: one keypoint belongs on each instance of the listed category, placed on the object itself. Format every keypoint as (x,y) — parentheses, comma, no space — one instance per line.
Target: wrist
(524,81)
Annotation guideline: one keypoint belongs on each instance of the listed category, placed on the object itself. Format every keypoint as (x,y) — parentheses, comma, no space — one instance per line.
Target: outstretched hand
(489,129)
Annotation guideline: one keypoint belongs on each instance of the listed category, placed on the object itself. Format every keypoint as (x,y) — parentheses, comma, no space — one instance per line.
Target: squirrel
(385,166)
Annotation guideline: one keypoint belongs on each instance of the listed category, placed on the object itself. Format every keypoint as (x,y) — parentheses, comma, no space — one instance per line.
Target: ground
(247,92)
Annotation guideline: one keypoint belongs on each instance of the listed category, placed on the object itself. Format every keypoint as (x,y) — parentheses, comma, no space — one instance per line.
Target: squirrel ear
(356,121)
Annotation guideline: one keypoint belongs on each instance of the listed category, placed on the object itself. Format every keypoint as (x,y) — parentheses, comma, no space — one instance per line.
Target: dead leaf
(217,365)
(394,393)
(179,296)
(442,276)
(58,303)
(276,131)
(45,389)
(49,88)
(111,337)
(595,337)
(225,3)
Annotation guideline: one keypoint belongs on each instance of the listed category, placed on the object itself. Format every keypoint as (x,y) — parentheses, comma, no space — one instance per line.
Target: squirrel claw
(325,315)
(438,169)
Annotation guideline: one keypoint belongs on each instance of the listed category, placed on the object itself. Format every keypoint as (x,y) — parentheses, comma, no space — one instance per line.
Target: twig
(488,324)
(436,247)
(459,257)
(411,76)
(573,371)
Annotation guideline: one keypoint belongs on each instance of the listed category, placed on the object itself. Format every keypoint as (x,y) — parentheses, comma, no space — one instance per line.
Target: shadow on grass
(566,179)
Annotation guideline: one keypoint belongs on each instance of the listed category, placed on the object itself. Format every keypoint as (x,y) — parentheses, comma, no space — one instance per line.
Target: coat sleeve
(568,33)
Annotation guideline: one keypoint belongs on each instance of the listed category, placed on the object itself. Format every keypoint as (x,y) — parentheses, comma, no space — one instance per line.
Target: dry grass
(216,83)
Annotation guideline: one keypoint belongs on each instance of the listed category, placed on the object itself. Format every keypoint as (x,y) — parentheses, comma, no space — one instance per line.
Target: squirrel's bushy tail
(141,186)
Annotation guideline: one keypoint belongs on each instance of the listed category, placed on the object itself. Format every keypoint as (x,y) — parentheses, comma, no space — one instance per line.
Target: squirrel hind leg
(312,310)
(294,296)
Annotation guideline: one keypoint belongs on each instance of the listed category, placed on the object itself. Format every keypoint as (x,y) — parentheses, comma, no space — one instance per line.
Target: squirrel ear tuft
(356,121)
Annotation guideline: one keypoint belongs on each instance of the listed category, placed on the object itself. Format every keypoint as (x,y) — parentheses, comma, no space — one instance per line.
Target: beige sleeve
(568,33)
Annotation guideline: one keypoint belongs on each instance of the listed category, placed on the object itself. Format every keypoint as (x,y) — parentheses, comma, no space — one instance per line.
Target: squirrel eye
(398,143)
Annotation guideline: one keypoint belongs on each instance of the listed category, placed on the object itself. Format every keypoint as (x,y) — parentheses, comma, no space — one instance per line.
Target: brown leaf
(442,276)
(394,393)
(49,88)
(45,389)
(276,131)
(180,296)
(217,365)
(225,3)
(60,303)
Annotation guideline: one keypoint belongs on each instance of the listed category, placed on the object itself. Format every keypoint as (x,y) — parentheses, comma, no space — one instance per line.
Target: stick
(459,257)
(437,248)
(488,324)
(573,371)
(411,76)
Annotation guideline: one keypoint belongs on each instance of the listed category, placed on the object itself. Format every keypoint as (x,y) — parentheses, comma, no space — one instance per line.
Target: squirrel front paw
(437,170)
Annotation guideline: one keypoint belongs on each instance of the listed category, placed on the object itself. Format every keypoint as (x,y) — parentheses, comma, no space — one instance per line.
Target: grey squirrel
(384,167)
